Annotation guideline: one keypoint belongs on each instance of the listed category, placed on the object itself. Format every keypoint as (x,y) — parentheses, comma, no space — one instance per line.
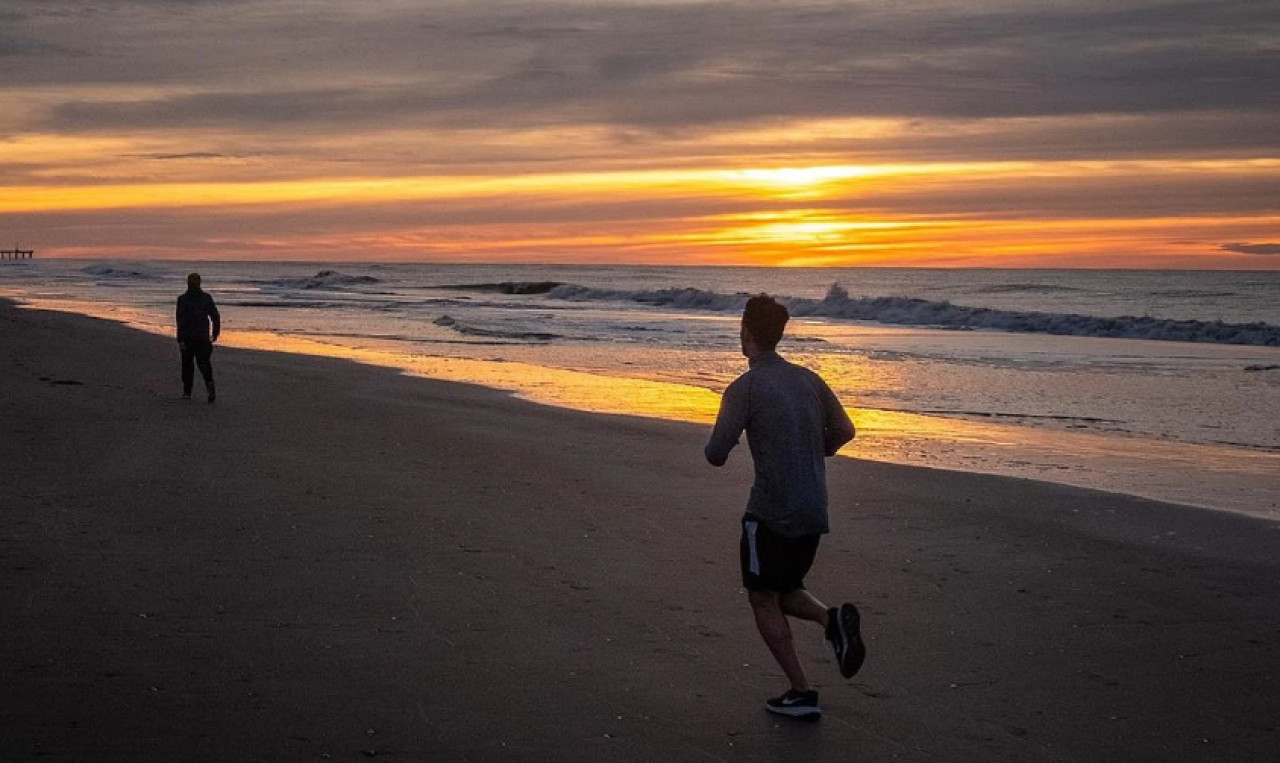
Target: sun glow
(804,176)
(820,214)
(769,183)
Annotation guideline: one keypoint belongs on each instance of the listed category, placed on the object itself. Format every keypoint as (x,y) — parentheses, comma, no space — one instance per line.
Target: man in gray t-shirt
(793,423)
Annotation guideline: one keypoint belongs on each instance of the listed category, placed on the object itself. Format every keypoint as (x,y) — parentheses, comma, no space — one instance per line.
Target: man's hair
(765,318)
(193,280)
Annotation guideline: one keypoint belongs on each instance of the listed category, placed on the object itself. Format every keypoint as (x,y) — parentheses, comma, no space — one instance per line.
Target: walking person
(793,422)
(198,327)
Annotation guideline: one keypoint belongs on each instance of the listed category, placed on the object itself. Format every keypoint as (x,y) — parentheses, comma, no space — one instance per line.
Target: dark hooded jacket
(196,312)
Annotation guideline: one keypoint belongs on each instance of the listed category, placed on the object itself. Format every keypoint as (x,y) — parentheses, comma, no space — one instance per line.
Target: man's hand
(213,339)
(182,345)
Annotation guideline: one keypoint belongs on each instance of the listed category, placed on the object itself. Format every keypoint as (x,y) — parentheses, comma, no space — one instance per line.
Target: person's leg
(776,632)
(803,605)
(840,625)
(759,551)
(188,370)
(203,355)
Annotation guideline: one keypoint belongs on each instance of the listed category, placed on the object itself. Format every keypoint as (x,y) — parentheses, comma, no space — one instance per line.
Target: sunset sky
(1089,133)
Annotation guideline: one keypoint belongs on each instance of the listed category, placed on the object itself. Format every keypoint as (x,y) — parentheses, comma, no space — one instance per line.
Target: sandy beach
(340,562)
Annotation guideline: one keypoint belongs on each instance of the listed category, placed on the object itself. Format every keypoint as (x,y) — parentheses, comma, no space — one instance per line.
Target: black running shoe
(846,639)
(212,395)
(186,395)
(796,704)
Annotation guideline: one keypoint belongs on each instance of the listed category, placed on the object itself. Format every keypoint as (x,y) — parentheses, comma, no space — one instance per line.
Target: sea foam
(325,279)
(469,330)
(113,273)
(508,287)
(910,311)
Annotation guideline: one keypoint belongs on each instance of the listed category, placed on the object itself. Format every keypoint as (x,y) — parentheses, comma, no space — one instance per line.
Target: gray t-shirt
(793,422)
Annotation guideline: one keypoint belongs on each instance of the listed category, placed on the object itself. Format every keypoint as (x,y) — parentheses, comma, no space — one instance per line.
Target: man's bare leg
(776,632)
(803,605)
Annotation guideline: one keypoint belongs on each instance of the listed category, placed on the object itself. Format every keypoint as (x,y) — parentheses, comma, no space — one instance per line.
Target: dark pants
(200,352)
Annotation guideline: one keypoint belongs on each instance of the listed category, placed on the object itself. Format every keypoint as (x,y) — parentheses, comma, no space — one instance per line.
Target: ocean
(1159,384)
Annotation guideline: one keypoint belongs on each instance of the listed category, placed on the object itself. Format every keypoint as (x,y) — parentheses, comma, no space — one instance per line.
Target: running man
(793,422)
(196,312)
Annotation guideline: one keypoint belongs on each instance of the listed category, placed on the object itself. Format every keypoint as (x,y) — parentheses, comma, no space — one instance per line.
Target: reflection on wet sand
(1235,479)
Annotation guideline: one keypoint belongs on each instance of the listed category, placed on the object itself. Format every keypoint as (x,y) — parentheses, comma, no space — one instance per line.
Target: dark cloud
(340,109)
(666,66)
(1252,248)
(187,155)
(15,46)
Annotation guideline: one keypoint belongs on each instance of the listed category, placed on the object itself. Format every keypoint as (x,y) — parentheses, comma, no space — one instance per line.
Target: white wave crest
(325,279)
(113,273)
(910,311)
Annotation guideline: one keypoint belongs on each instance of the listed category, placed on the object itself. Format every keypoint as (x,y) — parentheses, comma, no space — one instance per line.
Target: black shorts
(772,562)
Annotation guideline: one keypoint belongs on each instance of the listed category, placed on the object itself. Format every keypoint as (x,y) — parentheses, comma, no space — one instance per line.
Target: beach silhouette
(199,324)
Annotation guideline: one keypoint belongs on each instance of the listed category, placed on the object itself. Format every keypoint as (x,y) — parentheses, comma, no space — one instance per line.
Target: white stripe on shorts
(753,566)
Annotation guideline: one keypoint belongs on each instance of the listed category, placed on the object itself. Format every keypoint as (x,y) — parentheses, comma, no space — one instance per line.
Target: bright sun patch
(805,176)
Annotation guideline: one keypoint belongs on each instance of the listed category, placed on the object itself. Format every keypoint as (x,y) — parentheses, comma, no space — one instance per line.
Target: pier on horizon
(17,254)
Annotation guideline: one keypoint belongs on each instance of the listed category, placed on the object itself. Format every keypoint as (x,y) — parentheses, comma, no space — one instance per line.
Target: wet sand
(337,561)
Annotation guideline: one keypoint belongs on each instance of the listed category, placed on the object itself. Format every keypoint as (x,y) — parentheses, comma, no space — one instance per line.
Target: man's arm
(177,323)
(729,424)
(217,320)
(837,428)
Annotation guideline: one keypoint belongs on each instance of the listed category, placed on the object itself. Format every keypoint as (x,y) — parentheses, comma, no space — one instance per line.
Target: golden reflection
(577,390)
(883,435)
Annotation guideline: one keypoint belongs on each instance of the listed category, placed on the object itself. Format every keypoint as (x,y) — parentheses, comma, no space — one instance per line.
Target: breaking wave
(920,312)
(1192,293)
(117,274)
(285,305)
(1027,288)
(508,287)
(325,279)
(463,328)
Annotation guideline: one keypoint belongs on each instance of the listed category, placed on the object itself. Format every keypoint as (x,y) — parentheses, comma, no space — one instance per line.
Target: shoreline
(1233,479)
(341,560)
